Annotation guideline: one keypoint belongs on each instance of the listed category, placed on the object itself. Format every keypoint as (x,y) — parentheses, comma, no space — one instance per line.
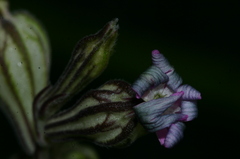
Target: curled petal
(151,113)
(156,106)
(164,121)
(161,135)
(150,78)
(189,93)
(172,136)
(189,108)
(160,61)
(174,79)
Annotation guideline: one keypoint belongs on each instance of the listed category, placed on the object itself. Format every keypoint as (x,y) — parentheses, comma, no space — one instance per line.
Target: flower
(167,104)
(42,113)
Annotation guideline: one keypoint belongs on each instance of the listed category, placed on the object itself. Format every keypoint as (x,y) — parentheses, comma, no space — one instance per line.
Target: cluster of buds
(113,115)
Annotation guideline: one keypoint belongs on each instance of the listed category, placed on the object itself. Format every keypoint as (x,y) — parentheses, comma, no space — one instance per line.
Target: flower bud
(24,68)
(104,116)
(89,59)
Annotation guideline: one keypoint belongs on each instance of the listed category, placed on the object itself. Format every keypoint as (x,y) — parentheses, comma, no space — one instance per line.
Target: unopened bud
(24,68)
(104,116)
(90,57)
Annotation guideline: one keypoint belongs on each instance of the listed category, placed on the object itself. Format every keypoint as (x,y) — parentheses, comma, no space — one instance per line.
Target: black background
(200,39)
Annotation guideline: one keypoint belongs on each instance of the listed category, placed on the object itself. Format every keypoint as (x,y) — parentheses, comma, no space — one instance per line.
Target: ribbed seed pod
(104,116)
(24,70)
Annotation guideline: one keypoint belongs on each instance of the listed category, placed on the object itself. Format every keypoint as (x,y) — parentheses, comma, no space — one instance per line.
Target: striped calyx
(89,58)
(104,116)
(24,70)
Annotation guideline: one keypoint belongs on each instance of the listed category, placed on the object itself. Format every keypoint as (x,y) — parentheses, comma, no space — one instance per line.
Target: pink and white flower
(167,104)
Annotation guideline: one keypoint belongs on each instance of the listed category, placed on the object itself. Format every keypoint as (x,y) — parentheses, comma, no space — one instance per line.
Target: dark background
(199,38)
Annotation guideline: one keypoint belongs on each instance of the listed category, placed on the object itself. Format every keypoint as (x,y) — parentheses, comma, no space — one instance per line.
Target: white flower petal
(164,121)
(151,113)
(190,93)
(160,61)
(175,134)
(149,79)
(189,108)
(174,79)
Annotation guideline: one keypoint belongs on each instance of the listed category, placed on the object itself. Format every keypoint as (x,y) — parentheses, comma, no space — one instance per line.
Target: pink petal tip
(184,118)
(138,96)
(155,52)
(199,96)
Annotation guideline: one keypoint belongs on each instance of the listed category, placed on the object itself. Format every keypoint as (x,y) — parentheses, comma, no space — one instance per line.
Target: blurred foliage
(198,38)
